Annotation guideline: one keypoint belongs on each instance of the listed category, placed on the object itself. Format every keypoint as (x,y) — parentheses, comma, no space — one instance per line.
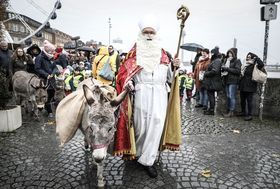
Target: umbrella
(191,47)
(86,48)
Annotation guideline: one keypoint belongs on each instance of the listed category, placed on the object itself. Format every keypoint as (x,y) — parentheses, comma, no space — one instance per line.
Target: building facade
(18,30)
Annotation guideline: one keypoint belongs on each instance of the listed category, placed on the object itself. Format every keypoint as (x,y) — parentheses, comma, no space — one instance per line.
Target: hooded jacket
(234,69)
(98,63)
(212,76)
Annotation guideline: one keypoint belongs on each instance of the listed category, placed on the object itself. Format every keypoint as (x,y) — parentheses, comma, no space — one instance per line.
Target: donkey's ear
(88,95)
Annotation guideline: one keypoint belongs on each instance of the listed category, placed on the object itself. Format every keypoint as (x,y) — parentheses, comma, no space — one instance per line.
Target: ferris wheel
(46,15)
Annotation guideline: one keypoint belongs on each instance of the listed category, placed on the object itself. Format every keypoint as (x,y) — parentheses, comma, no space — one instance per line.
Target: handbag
(201,75)
(106,71)
(259,76)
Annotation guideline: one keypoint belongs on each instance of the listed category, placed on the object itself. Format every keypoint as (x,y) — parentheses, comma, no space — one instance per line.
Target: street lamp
(110,26)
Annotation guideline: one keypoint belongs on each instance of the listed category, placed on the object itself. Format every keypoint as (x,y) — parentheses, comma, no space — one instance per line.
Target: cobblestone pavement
(237,154)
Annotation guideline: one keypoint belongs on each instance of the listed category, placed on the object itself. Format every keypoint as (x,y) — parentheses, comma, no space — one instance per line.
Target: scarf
(243,67)
(227,64)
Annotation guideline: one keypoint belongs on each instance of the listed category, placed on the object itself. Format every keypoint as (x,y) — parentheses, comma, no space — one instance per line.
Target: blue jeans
(203,97)
(231,96)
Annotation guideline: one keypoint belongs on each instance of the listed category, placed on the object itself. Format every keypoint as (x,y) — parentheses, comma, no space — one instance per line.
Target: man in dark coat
(5,59)
(231,70)
(247,86)
(46,68)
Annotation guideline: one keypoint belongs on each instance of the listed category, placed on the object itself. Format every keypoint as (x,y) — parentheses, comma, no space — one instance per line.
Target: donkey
(59,87)
(99,124)
(28,87)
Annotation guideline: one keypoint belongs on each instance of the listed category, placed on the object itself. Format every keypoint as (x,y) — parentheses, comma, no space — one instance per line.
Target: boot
(209,112)
(248,118)
(151,171)
(240,114)
(229,114)
(204,108)
(198,106)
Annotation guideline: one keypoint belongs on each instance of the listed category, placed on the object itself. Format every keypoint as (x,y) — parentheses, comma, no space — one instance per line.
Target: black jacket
(44,66)
(234,69)
(246,83)
(212,76)
(5,62)
(62,61)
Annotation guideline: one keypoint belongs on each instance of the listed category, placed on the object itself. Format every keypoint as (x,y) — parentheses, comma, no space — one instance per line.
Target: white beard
(148,53)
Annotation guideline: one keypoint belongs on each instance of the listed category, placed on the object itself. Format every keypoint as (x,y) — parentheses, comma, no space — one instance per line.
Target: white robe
(150,106)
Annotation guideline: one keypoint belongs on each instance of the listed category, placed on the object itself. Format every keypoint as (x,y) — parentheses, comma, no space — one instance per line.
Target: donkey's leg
(34,107)
(100,178)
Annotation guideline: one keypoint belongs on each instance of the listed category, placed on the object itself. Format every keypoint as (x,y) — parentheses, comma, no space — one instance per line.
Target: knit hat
(149,21)
(48,47)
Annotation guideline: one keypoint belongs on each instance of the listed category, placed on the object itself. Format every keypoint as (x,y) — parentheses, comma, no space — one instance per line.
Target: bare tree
(3,7)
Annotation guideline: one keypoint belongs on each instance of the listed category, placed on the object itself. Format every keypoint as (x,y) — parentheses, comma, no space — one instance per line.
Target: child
(74,80)
(189,84)
(182,78)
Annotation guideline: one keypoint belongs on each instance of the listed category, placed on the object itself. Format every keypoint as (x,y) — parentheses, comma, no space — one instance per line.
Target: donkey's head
(59,88)
(100,119)
(41,95)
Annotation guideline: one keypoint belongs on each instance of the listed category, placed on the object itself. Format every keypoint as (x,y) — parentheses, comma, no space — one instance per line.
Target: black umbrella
(191,47)
(86,48)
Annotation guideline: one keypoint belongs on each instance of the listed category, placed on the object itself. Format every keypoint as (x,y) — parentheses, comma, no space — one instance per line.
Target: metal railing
(273,68)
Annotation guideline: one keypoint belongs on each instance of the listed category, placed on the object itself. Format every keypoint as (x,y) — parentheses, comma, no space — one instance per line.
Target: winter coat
(212,76)
(246,83)
(5,62)
(202,65)
(30,68)
(98,63)
(234,69)
(18,65)
(44,66)
(62,60)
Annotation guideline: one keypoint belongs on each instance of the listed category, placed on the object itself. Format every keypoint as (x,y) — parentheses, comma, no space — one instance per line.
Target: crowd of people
(50,61)
(215,72)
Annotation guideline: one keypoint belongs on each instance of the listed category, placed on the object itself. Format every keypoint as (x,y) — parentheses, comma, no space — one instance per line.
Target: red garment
(58,52)
(126,72)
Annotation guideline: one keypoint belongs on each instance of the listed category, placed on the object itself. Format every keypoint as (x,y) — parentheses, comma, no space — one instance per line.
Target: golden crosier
(183,13)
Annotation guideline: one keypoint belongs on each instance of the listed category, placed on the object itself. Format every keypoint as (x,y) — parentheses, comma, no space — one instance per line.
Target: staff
(172,125)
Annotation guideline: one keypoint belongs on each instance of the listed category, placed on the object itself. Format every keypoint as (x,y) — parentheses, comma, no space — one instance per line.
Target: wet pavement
(217,152)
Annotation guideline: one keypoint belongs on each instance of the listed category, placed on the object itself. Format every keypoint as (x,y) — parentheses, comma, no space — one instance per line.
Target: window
(14,27)
(22,29)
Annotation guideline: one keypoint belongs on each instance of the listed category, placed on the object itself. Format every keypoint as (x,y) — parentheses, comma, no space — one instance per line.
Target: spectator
(212,79)
(5,59)
(247,86)
(199,71)
(231,70)
(46,68)
(20,60)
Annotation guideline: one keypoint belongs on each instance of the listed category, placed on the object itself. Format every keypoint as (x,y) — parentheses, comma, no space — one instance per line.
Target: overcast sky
(211,23)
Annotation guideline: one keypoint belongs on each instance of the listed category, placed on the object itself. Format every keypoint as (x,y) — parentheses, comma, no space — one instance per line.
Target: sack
(201,75)
(106,71)
(259,76)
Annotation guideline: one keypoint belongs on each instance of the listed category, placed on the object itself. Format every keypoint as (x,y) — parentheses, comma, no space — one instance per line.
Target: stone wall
(271,100)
